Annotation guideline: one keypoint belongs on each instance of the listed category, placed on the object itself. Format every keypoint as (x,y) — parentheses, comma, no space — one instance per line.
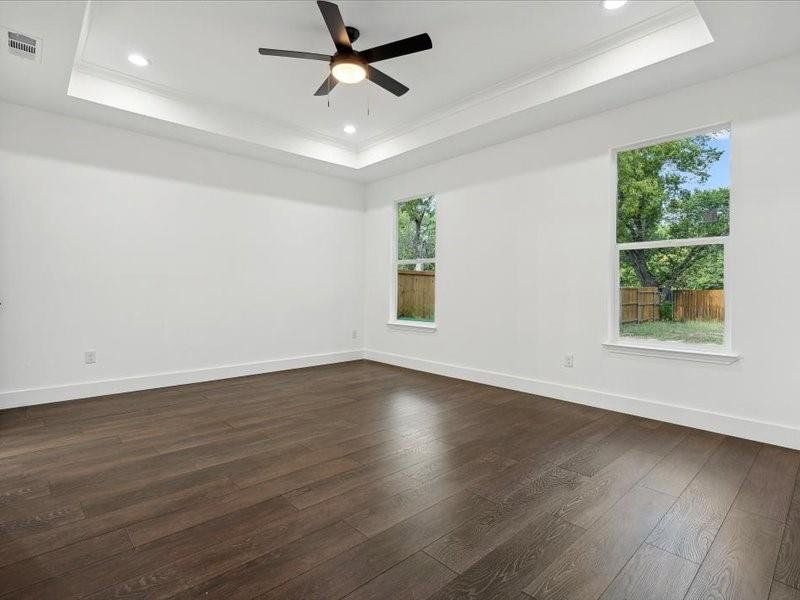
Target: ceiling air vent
(23,45)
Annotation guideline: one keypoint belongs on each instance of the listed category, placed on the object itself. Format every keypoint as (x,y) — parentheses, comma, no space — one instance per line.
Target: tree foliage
(689,267)
(416,230)
(657,199)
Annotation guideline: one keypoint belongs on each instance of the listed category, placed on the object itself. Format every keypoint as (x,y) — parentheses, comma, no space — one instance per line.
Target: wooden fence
(638,305)
(415,294)
(699,305)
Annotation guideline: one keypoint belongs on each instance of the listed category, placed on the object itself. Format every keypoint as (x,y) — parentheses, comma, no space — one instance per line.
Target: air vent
(23,45)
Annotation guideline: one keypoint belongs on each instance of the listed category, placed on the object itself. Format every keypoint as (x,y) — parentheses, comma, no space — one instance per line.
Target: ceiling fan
(348,65)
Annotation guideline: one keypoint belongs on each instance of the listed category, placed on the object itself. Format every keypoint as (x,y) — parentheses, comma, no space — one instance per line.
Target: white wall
(179,264)
(532,220)
(163,258)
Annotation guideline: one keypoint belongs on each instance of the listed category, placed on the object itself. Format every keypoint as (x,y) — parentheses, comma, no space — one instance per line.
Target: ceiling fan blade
(327,85)
(333,19)
(416,43)
(382,79)
(293,54)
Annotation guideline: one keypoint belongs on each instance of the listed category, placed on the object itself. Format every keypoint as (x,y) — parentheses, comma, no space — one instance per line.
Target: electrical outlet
(355,334)
(569,360)
(89,357)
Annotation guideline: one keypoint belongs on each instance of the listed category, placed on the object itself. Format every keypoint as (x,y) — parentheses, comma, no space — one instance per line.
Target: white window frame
(720,354)
(393,321)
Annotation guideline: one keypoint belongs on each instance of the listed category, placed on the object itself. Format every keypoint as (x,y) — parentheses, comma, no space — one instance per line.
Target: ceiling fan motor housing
(352,33)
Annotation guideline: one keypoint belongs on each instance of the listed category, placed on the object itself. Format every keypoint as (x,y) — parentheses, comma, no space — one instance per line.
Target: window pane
(415,292)
(416,229)
(673,294)
(674,190)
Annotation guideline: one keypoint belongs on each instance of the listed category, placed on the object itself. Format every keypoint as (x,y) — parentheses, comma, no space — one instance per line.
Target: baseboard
(760,431)
(88,389)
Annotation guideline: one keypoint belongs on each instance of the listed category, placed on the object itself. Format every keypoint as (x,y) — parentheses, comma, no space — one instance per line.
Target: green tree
(655,202)
(416,229)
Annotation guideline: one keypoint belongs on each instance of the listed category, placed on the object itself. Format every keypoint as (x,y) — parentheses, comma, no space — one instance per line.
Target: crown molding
(657,38)
(83,65)
(637,31)
(108,74)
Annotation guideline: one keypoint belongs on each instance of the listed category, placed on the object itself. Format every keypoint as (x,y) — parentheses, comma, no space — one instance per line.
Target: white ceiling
(209,53)
(497,70)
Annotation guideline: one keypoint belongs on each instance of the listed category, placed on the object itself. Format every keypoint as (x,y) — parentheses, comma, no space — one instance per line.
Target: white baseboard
(761,431)
(88,389)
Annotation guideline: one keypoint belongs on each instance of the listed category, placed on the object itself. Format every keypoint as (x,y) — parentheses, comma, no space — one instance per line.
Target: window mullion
(673,243)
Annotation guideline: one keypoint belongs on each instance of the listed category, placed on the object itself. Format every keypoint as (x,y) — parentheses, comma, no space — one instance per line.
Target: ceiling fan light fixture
(614,4)
(347,71)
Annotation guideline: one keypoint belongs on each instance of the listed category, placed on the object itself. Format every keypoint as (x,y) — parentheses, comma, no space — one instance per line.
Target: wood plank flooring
(364,481)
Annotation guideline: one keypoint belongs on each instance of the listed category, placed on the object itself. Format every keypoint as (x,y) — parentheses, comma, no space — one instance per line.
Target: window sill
(412,325)
(719,357)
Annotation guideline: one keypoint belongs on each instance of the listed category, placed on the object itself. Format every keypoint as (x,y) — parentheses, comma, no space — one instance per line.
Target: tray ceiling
(497,70)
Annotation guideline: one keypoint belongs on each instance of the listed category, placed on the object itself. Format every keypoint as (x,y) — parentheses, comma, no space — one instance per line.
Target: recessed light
(138,60)
(613,4)
(349,129)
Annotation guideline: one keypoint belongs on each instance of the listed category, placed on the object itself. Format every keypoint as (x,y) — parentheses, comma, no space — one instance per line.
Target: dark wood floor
(364,481)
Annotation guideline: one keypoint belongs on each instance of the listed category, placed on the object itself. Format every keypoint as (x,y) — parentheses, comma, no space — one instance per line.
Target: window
(415,261)
(673,222)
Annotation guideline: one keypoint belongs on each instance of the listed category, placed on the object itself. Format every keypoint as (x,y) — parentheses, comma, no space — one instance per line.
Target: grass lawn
(418,319)
(691,332)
